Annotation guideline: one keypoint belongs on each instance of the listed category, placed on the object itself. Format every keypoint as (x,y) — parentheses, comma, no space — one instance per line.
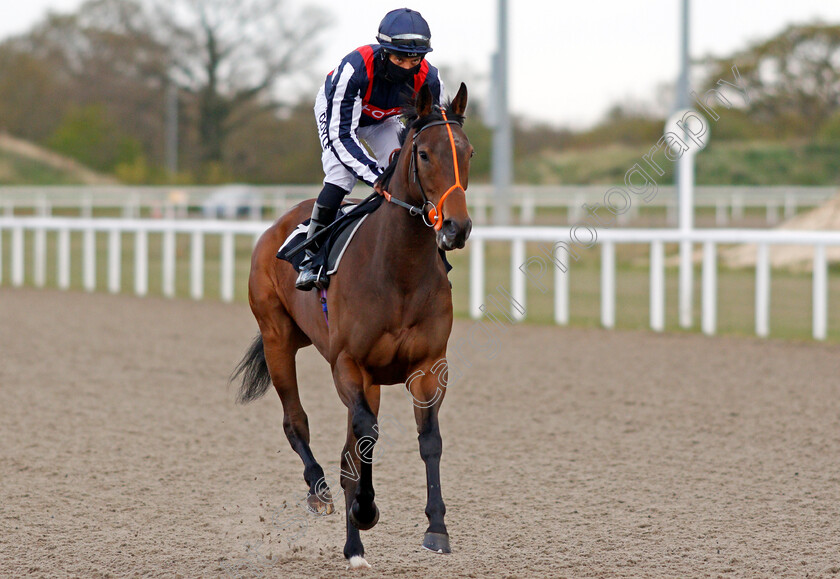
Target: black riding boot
(323,213)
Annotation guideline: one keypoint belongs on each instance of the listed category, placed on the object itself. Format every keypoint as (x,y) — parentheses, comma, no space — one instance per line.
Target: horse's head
(440,166)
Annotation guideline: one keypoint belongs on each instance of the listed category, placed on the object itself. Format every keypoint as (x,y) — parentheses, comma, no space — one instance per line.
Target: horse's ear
(423,104)
(459,103)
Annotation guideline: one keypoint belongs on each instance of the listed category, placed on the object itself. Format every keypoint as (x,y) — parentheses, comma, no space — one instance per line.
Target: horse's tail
(254,372)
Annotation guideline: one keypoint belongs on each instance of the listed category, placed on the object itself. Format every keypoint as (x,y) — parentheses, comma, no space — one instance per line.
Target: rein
(432,218)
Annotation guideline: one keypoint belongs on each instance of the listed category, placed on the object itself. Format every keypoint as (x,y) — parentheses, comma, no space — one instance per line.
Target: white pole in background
(141,263)
(168,263)
(502,133)
(657,286)
(608,284)
(114,260)
(172,128)
(686,189)
(709,295)
(561,292)
(64,258)
(762,291)
(476,277)
(518,278)
(685,182)
(197,266)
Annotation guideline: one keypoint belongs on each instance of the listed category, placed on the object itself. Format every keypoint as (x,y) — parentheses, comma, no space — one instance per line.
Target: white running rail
(553,244)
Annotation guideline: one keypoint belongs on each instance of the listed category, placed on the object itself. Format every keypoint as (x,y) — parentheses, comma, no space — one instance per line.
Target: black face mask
(397,74)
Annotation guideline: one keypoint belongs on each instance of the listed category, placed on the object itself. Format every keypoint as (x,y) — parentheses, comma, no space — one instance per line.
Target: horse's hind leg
(281,340)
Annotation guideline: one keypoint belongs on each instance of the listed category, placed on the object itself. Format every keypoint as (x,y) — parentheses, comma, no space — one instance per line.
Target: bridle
(432,217)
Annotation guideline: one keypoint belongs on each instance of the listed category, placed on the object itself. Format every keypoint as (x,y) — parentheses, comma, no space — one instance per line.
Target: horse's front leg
(362,400)
(427,392)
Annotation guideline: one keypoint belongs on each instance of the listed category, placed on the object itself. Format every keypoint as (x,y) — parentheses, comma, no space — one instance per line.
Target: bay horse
(390,316)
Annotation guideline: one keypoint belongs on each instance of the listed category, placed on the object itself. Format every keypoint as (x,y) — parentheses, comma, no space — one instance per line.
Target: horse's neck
(406,247)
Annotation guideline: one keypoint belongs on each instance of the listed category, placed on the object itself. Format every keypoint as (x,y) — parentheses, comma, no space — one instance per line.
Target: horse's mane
(414,121)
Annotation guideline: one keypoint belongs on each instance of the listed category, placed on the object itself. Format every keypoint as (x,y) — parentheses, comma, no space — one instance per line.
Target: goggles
(406,40)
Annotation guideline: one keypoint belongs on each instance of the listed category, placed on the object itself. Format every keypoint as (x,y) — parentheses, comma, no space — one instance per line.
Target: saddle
(329,254)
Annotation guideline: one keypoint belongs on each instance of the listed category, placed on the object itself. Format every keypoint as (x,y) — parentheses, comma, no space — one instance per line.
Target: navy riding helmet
(405,31)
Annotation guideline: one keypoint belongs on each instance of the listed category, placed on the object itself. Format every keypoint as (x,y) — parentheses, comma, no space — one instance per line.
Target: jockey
(362,99)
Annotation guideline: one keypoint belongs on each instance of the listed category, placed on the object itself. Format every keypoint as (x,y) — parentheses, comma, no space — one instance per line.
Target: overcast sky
(569,60)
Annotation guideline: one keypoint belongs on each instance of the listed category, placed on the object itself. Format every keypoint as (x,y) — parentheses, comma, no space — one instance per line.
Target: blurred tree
(830,131)
(91,137)
(98,56)
(793,78)
(28,104)
(228,58)
(274,148)
(232,55)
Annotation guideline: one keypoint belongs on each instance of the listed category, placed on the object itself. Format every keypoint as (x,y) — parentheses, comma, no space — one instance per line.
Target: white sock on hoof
(358,562)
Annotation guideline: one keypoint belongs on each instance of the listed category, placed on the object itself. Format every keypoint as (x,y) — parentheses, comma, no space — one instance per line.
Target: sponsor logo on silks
(322,130)
(379,114)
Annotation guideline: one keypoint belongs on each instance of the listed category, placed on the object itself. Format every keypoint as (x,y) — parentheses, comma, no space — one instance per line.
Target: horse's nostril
(449,227)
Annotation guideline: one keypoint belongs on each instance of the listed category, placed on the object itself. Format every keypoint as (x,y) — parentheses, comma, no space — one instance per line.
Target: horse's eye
(472,154)
(424,156)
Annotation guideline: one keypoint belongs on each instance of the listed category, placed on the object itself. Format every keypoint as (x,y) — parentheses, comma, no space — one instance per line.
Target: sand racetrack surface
(567,453)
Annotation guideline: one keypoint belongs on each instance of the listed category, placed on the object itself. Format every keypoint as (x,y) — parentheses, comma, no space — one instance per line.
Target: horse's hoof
(320,505)
(360,524)
(358,562)
(436,542)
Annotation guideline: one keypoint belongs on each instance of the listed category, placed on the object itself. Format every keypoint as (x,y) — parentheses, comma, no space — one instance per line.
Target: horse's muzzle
(454,233)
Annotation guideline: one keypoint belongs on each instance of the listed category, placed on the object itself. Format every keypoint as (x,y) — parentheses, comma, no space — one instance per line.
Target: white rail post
(762,291)
(89,259)
(657,286)
(40,250)
(790,205)
(608,284)
(476,277)
(517,258)
(168,263)
(624,218)
(86,206)
(709,322)
(131,207)
(64,258)
(17,256)
(114,260)
(528,211)
(820,294)
(686,284)
(141,262)
(197,266)
(633,213)
(255,208)
(480,210)
(1,255)
(772,212)
(721,216)
(575,210)
(561,291)
(227,267)
(280,204)
(737,206)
